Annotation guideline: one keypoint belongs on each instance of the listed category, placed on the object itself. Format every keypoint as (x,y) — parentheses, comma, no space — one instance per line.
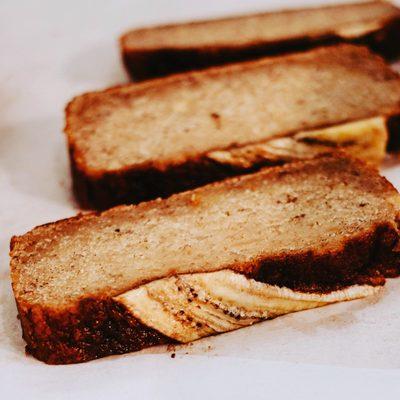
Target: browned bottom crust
(132,186)
(142,65)
(100,327)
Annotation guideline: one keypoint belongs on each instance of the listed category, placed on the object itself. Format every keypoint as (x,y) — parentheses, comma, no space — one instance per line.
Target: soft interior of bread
(312,206)
(175,119)
(348,19)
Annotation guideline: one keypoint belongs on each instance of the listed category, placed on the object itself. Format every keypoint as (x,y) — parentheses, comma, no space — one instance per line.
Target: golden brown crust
(143,64)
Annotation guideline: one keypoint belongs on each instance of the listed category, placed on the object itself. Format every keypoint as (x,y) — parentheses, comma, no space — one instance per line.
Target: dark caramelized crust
(133,185)
(97,328)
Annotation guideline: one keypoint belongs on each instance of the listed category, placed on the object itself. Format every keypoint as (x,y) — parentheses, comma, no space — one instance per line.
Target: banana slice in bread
(365,139)
(189,307)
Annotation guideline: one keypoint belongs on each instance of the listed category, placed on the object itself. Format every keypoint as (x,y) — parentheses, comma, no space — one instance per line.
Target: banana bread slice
(162,50)
(139,142)
(294,237)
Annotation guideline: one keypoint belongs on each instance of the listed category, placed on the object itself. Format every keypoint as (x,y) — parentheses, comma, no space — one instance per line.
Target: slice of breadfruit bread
(284,239)
(143,141)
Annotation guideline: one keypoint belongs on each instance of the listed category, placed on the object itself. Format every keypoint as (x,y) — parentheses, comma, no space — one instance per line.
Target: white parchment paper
(53,50)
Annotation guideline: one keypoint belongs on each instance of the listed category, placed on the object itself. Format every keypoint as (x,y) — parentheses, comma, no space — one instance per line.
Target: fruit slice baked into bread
(207,261)
(143,141)
(162,50)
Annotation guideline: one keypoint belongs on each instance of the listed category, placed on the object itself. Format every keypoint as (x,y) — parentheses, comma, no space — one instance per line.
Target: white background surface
(51,51)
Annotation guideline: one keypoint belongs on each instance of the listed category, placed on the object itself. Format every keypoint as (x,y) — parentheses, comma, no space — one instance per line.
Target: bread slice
(138,142)
(287,238)
(162,50)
